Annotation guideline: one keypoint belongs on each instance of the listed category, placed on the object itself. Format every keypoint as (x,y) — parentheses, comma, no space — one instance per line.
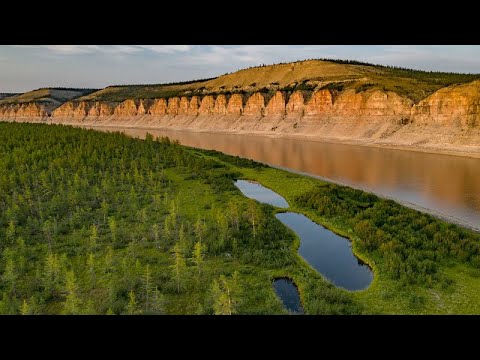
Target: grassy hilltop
(301,75)
(54,97)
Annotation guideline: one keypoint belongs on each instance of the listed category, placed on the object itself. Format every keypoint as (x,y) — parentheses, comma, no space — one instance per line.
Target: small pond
(260,193)
(330,254)
(288,293)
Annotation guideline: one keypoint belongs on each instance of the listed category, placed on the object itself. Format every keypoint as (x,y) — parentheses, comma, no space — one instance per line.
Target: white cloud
(249,54)
(109,49)
(166,49)
(65,49)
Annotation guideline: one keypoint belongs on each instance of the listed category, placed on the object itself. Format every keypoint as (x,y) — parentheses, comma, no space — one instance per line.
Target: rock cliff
(452,106)
(450,115)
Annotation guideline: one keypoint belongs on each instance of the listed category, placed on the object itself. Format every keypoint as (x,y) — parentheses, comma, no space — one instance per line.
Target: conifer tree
(25,308)
(132,306)
(198,257)
(112,225)
(179,268)
(72,302)
(147,285)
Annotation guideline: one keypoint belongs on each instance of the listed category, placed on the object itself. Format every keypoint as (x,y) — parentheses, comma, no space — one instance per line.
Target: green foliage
(411,245)
(226,294)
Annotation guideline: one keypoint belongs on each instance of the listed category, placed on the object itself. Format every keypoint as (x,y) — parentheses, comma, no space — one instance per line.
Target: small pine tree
(10,233)
(132,306)
(147,286)
(200,229)
(25,309)
(198,257)
(226,294)
(157,302)
(179,268)
(112,225)
(72,302)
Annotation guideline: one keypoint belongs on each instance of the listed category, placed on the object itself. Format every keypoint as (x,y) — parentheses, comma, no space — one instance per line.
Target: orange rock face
(207,105)
(321,102)
(66,109)
(455,105)
(158,108)
(193,106)
(30,110)
(220,107)
(371,103)
(276,105)
(255,105)
(127,108)
(183,107)
(173,104)
(295,104)
(144,106)
(235,105)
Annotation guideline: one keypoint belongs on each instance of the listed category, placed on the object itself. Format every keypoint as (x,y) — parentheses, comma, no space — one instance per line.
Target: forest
(101,223)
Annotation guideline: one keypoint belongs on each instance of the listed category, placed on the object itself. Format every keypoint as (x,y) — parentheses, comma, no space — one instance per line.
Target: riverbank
(141,132)
(455,287)
(136,211)
(411,139)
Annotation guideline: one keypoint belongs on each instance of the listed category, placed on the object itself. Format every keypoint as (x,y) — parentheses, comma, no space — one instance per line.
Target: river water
(446,185)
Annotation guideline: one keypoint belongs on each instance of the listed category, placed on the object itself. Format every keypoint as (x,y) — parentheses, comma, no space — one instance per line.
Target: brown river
(444,185)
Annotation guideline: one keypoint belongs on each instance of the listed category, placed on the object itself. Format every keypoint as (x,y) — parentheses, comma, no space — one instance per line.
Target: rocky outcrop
(450,115)
(84,108)
(372,104)
(235,105)
(220,105)
(207,106)
(100,109)
(320,103)
(173,105)
(295,103)
(183,106)
(24,110)
(276,106)
(127,108)
(66,110)
(457,105)
(255,105)
(158,107)
(144,106)
(193,106)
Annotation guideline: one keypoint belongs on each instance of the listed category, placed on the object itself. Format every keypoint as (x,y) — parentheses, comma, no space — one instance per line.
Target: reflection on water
(261,193)
(330,254)
(447,184)
(288,293)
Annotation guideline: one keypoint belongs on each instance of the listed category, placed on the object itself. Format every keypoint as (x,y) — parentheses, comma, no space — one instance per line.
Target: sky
(28,67)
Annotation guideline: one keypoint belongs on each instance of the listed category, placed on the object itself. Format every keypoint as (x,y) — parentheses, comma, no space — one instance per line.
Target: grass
(384,295)
(53,95)
(307,75)
(72,172)
(81,179)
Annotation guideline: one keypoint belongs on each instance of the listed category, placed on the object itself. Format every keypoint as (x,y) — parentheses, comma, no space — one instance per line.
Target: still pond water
(288,293)
(447,185)
(260,193)
(330,254)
